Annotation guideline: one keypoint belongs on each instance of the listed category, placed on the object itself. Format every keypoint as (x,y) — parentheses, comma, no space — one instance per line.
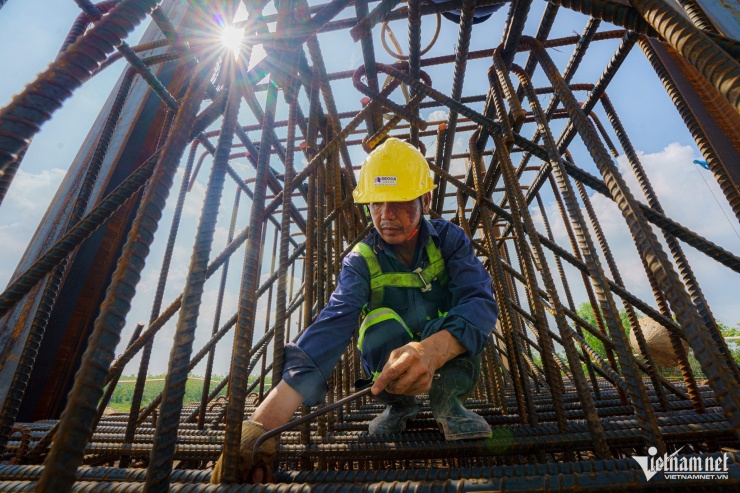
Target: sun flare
(231,38)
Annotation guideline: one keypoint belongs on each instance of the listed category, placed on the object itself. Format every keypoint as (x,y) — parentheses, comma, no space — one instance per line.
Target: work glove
(251,431)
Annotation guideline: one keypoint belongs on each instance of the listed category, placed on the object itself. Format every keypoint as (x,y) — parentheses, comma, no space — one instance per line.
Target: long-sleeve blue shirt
(467,299)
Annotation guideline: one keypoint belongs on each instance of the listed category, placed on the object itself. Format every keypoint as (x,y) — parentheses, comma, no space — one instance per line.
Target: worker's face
(396,221)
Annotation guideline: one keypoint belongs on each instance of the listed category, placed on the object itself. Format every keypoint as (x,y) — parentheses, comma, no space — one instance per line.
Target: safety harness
(419,278)
(374,312)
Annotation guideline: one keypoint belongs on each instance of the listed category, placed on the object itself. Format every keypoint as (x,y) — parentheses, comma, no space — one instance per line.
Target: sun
(231,38)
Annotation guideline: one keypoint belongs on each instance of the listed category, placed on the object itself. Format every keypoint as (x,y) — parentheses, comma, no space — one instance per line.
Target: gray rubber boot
(447,395)
(399,409)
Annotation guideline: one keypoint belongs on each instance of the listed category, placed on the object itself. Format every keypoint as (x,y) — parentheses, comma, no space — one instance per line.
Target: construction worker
(427,309)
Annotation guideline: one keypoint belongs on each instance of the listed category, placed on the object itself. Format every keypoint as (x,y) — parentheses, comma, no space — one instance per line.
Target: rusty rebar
(461,57)
(553,414)
(66,454)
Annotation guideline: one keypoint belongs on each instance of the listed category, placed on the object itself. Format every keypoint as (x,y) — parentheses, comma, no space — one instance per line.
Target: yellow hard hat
(394,172)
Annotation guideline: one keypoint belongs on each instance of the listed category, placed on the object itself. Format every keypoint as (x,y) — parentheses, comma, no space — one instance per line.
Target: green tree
(586,312)
(733,345)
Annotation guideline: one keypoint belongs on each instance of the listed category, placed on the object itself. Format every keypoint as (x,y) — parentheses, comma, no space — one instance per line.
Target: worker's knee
(461,373)
(381,332)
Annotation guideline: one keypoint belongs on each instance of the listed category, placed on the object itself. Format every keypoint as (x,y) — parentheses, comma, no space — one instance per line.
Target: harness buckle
(427,285)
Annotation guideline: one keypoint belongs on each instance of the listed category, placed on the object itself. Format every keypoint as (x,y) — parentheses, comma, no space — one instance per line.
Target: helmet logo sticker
(385,181)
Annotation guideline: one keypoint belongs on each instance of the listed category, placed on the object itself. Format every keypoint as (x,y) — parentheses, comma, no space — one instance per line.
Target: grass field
(121,399)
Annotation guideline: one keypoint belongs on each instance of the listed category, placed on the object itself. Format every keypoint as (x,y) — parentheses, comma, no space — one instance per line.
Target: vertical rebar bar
(163,448)
(205,394)
(414,16)
(458,77)
(291,98)
(247,300)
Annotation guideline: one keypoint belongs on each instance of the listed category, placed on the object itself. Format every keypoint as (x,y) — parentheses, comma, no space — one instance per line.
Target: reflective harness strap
(419,278)
(376,296)
(377,316)
(374,313)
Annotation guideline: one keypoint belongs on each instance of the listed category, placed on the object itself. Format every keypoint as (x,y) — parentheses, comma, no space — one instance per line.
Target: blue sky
(31,32)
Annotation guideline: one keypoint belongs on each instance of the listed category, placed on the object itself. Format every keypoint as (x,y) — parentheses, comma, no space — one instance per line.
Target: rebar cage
(530,157)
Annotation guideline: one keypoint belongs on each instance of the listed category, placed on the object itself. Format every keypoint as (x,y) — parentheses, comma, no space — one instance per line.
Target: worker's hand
(410,368)
(257,469)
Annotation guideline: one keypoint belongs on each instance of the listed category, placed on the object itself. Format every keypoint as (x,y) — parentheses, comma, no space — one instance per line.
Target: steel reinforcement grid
(606,347)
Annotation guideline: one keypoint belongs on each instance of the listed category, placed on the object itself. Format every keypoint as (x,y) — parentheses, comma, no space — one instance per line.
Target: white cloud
(438,116)
(458,166)
(353,60)
(244,169)
(193,204)
(687,192)
(32,192)
(24,205)
(687,199)
(175,283)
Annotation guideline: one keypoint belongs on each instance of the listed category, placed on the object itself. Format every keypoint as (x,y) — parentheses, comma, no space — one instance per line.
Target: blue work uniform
(466,301)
